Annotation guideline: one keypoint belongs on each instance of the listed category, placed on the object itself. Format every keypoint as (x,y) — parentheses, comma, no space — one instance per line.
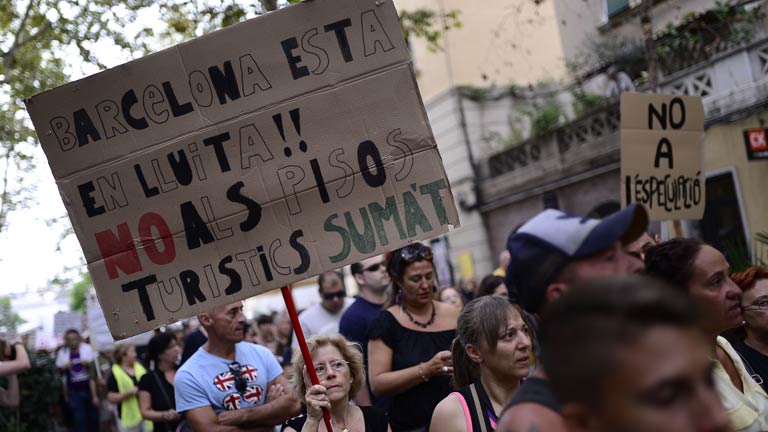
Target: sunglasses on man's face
(373,267)
(240,384)
(331,296)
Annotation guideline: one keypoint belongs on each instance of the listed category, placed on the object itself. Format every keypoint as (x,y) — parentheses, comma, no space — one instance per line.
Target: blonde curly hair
(350,351)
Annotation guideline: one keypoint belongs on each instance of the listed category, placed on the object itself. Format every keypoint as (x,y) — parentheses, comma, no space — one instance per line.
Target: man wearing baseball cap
(549,254)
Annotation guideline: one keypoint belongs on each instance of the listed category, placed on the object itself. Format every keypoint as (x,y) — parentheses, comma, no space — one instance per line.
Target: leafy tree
(39,391)
(43,42)
(79,292)
(9,320)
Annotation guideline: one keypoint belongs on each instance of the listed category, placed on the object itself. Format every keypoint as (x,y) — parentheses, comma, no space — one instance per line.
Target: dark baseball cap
(544,245)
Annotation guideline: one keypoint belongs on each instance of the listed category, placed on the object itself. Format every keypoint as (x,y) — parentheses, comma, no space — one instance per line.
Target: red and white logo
(757,139)
(249,373)
(232,402)
(253,395)
(224,381)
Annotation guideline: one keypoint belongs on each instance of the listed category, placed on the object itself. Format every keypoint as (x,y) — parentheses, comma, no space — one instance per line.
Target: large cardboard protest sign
(661,154)
(244,160)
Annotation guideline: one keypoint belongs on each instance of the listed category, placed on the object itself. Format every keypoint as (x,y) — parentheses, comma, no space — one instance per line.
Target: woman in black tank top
(491,355)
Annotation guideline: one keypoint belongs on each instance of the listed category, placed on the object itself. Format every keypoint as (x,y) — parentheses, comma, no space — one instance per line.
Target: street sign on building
(756,141)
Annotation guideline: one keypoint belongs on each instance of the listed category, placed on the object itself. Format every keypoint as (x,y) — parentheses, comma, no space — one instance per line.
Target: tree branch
(8,55)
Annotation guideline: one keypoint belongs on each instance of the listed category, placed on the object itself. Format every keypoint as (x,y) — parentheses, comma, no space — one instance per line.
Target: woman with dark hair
(701,272)
(409,341)
(156,393)
(491,285)
(491,355)
(754,302)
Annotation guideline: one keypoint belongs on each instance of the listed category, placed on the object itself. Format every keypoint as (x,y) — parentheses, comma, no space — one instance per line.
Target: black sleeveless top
(413,408)
(487,414)
(374,420)
(536,390)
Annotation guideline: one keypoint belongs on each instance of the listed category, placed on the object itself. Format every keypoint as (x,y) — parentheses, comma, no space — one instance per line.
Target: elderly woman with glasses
(339,367)
(754,302)
(409,342)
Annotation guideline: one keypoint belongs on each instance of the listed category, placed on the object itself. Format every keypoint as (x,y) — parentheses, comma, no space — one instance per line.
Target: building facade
(512,148)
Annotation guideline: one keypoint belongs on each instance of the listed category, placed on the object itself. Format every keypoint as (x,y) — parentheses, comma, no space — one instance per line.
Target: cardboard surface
(661,154)
(313,151)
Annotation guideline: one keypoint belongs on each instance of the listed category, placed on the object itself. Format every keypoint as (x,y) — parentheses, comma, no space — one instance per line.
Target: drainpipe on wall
(470,153)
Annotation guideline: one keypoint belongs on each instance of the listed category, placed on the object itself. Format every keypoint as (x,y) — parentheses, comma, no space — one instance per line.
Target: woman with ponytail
(409,342)
(491,355)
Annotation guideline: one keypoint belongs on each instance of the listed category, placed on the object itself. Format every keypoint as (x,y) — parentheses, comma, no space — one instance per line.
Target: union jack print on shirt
(253,395)
(224,381)
(232,402)
(250,373)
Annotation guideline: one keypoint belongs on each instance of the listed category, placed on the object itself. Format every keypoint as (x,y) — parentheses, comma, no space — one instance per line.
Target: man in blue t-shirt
(228,382)
(372,279)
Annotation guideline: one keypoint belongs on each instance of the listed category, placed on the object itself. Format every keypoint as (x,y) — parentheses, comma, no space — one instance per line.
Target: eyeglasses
(331,296)
(336,365)
(759,305)
(417,251)
(240,384)
(373,267)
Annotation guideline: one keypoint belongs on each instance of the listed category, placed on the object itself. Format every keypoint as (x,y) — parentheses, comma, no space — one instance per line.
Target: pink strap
(467,415)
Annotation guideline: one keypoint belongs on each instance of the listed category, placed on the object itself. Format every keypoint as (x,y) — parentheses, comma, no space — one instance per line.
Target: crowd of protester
(586,325)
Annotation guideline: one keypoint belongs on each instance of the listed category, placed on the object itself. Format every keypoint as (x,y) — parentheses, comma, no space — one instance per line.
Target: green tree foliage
(9,320)
(39,391)
(44,42)
(78,294)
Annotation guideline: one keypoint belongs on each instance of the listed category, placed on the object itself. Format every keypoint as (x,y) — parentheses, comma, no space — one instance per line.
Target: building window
(723,225)
(615,7)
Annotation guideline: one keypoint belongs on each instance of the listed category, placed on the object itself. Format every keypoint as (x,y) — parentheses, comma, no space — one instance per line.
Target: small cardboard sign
(245,160)
(661,154)
(756,141)
(63,321)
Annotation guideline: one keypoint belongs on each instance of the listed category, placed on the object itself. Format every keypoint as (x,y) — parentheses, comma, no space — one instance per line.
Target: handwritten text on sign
(661,157)
(220,169)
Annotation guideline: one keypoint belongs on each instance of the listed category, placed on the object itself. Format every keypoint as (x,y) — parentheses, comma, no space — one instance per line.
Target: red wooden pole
(288,299)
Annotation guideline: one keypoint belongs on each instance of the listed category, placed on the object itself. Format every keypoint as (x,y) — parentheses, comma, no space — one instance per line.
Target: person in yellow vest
(122,389)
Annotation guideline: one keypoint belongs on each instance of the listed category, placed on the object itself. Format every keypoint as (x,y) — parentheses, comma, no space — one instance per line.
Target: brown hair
(585,331)
(351,352)
(120,351)
(479,324)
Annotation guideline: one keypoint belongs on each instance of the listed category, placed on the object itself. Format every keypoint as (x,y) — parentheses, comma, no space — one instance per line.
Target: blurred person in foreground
(156,392)
(231,385)
(491,355)
(123,389)
(13,361)
(754,302)
(550,253)
(74,361)
(626,354)
(372,281)
(409,342)
(339,366)
(701,272)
